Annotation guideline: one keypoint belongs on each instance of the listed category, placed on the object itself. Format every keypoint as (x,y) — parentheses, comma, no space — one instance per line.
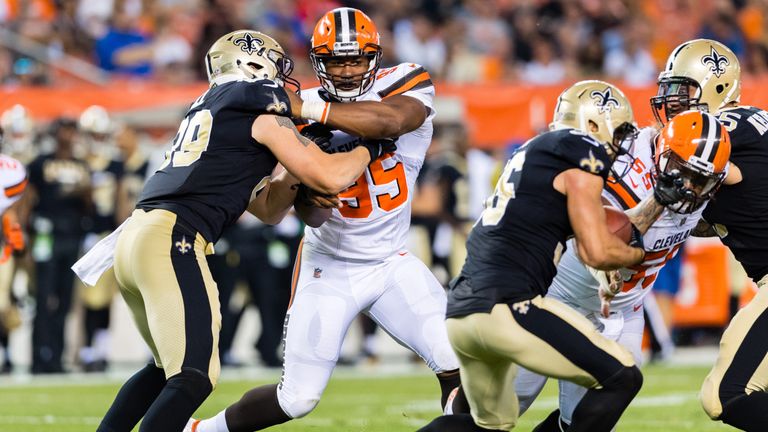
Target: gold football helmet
(247,55)
(704,64)
(600,110)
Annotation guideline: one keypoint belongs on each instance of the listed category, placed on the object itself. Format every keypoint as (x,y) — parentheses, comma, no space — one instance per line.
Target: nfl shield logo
(318,272)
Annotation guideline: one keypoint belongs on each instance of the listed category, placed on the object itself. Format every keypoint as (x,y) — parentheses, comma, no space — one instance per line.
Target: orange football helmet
(345,32)
(697,145)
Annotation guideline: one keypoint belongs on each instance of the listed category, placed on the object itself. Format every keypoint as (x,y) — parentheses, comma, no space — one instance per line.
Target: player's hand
(313,198)
(615,282)
(319,134)
(378,147)
(670,188)
(14,236)
(296,103)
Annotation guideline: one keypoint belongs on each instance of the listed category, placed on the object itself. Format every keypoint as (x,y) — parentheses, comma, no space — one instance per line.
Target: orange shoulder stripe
(17,189)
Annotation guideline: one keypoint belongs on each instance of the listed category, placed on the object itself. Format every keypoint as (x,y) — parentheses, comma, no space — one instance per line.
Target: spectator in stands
(631,61)
(419,37)
(545,68)
(124,49)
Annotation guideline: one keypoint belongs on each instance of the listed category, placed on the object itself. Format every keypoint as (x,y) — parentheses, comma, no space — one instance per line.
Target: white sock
(215,424)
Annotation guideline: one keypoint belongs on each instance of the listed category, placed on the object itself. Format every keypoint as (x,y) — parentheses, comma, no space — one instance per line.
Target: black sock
(181,397)
(448,381)
(747,412)
(599,410)
(133,400)
(550,424)
(257,409)
(454,423)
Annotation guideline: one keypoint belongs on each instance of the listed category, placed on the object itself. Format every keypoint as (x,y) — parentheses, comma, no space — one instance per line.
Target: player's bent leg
(412,310)
(626,327)
(487,372)
(528,385)
(180,306)
(133,400)
(548,329)
(734,390)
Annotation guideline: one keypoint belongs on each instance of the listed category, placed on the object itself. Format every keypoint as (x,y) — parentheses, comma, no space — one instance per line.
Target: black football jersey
(215,164)
(106,175)
(740,212)
(513,249)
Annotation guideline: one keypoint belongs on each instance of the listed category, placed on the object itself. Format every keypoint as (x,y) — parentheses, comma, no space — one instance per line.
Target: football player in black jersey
(497,313)
(221,163)
(705,74)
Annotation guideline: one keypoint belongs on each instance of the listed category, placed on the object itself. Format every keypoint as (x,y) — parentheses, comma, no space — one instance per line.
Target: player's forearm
(276,200)
(341,170)
(645,214)
(367,119)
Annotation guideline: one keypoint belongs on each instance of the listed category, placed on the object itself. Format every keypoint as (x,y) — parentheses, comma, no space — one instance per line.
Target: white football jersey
(373,222)
(13,181)
(575,284)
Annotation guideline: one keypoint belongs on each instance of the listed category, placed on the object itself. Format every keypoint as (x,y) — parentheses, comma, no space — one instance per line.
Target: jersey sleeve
(409,79)
(585,153)
(13,179)
(265,97)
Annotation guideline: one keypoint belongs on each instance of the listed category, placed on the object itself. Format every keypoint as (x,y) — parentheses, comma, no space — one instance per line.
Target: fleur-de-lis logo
(716,62)
(604,100)
(248,43)
(183,246)
(522,307)
(592,164)
(277,106)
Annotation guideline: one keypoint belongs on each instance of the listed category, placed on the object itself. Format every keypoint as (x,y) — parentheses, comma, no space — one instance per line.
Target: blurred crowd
(531,41)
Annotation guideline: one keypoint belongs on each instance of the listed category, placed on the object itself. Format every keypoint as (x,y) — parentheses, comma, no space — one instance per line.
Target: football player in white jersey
(13,182)
(696,144)
(356,262)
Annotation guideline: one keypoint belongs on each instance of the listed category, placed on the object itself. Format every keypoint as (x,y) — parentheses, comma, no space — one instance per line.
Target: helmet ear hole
(593,127)
(720,88)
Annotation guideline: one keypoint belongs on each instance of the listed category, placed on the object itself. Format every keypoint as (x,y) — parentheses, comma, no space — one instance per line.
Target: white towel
(99,259)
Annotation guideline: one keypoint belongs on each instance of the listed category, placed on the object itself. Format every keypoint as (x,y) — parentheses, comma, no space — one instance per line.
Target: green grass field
(353,402)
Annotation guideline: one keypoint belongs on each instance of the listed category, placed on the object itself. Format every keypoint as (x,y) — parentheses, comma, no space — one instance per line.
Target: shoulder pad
(584,152)
(402,78)
(266,96)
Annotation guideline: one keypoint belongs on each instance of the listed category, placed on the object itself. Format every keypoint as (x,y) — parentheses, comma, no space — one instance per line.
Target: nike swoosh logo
(273,85)
(402,253)
(637,308)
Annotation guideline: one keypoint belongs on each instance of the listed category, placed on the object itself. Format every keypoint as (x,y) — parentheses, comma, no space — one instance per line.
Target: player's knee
(193,382)
(296,406)
(627,380)
(710,400)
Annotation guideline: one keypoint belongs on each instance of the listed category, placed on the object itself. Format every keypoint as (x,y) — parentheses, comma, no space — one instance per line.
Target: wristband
(316,110)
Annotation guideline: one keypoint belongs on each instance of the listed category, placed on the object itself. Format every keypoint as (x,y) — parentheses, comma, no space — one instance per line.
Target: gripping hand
(378,147)
(670,188)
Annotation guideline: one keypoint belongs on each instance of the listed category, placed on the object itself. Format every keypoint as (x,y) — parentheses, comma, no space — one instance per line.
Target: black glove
(378,147)
(669,188)
(637,238)
(319,134)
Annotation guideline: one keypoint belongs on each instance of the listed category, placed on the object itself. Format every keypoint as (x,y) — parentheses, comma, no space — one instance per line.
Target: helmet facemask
(674,97)
(623,147)
(365,80)
(698,177)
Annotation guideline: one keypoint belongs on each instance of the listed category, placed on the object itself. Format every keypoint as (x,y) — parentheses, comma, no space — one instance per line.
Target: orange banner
(496,114)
